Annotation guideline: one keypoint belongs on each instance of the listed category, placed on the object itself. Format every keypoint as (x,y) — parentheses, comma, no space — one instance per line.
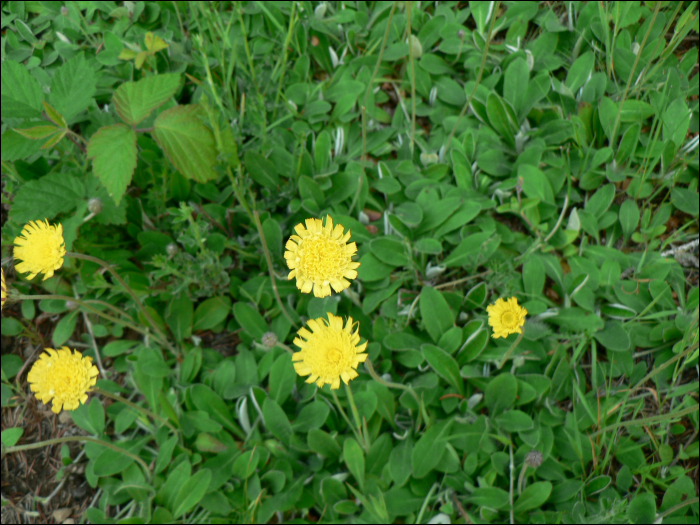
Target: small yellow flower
(320,257)
(41,248)
(64,377)
(4,291)
(506,317)
(329,352)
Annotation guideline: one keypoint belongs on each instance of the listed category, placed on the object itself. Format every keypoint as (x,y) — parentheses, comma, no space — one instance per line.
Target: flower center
(320,257)
(508,318)
(333,356)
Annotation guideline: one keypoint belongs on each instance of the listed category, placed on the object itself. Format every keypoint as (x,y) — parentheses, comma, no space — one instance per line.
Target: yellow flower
(320,257)
(506,317)
(64,377)
(41,248)
(4,291)
(329,352)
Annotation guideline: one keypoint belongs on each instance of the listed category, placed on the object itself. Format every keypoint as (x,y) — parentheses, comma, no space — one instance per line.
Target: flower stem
(270,269)
(133,405)
(361,424)
(346,418)
(145,313)
(56,441)
(510,350)
(375,376)
(84,305)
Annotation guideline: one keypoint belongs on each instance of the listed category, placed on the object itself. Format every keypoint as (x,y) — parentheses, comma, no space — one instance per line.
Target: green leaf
(97,415)
(491,497)
(601,200)
(206,400)
(613,337)
(533,496)
(533,276)
(192,492)
(400,462)
(389,250)
(251,320)
(72,87)
(464,214)
(322,443)
(514,421)
(676,120)
(15,147)
(429,448)
(535,183)
(273,237)
(514,86)
(430,246)
(635,110)
(475,245)
(312,416)
(37,132)
(46,197)
(134,101)
(355,460)
(211,312)
(372,269)
(10,436)
(179,317)
(261,170)
(276,421)
(444,364)
(409,213)
(282,378)
(187,142)
(642,508)
(629,217)
(64,329)
(20,93)
(436,313)
(685,200)
(502,118)
(501,393)
(110,462)
(580,71)
(113,153)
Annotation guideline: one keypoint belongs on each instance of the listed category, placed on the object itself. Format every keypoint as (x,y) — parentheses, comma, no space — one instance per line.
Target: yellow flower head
(4,291)
(506,317)
(320,257)
(329,352)
(41,248)
(64,377)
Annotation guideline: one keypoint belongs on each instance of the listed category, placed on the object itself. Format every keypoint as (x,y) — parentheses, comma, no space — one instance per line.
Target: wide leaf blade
(113,153)
(134,101)
(187,142)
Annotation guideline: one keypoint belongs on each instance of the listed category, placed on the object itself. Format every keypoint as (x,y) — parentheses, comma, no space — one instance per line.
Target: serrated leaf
(37,132)
(113,153)
(134,101)
(187,142)
(154,43)
(14,146)
(46,197)
(72,87)
(54,140)
(20,93)
(54,115)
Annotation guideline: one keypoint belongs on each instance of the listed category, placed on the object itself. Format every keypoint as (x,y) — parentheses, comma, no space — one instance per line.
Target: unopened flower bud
(95,205)
(171,249)
(71,305)
(269,339)
(534,458)
(416,46)
(428,158)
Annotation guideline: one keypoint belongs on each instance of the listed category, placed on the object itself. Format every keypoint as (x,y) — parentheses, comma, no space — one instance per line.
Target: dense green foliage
(475,150)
